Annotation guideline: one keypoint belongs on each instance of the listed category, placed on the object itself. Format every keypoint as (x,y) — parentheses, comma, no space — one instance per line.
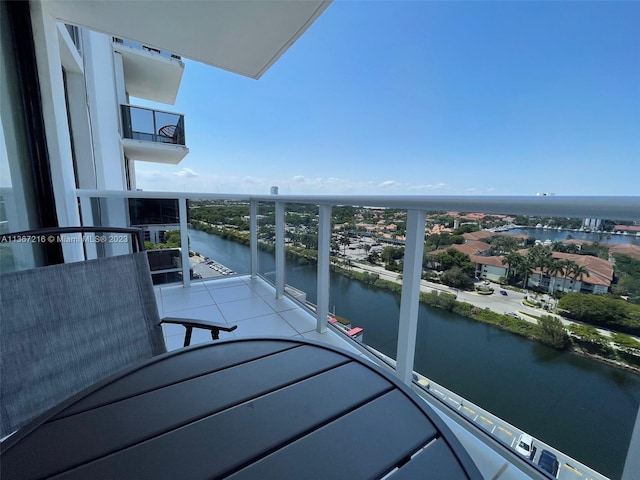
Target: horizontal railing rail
(141,46)
(611,207)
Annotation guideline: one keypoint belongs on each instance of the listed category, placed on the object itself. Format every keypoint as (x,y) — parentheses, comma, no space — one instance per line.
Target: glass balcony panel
(142,124)
(152,125)
(219,238)
(169,128)
(153,211)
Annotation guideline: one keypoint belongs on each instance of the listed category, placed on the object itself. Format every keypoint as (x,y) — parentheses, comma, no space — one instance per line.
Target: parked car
(549,463)
(503,292)
(524,446)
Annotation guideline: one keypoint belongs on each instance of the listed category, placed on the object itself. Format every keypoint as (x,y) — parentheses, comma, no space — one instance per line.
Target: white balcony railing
(619,208)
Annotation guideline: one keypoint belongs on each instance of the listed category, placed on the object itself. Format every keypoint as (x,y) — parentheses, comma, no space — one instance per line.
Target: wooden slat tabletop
(242,409)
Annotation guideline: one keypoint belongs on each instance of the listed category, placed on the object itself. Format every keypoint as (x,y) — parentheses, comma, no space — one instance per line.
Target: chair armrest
(191,323)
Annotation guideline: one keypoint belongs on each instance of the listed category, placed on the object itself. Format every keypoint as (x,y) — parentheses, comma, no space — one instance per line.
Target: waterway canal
(560,235)
(582,407)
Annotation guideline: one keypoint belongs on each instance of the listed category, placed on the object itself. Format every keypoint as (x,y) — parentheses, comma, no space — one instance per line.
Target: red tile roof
(600,271)
(470,248)
(494,261)
(627,228)
(626,249)
(479,235)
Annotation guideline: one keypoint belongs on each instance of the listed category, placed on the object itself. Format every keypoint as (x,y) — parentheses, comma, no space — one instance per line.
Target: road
(510,303)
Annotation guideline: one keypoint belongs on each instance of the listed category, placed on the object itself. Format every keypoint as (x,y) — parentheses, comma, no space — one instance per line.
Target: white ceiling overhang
(241,36)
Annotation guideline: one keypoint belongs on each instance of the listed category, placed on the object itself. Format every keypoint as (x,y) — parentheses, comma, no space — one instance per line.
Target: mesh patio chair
(65,327)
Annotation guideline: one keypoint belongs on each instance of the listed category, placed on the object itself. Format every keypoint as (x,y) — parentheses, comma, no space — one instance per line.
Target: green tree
(456,277)
(453,258)
(627,271)
(538,256)
(390,254)
(554,267)
(578,272)
(611,313)
(374,256)
(503,244)
(553,332)
(466,228)
(345,242)
(518,266)
(566,265)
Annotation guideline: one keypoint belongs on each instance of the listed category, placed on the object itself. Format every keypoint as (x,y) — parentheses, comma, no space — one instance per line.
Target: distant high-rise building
(592,223)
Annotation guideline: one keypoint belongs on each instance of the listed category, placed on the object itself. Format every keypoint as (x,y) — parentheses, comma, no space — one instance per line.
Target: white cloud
(169,178)
(187,172)
(251,180)
(388,183)
(437,186)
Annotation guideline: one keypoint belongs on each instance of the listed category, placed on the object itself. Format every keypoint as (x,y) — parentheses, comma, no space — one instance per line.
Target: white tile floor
(251,304)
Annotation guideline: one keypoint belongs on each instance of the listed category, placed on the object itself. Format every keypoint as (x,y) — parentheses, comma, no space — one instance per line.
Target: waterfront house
(598,280)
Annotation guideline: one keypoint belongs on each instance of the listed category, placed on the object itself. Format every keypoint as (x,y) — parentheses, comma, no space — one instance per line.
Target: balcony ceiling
(241,36)
(149,75)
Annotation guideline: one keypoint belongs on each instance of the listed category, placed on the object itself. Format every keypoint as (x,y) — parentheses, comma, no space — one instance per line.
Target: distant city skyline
(501,98)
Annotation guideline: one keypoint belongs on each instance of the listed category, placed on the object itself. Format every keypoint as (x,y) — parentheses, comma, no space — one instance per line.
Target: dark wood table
(253,408)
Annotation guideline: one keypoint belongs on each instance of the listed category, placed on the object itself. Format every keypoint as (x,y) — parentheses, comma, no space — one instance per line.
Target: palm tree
(553,268)
(374,256)
(567,266)
(344,241)
(572,248)
(538,257)
(577,272)
(515,262)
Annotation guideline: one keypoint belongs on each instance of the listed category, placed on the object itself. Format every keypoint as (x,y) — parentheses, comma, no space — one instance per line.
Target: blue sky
(425,98)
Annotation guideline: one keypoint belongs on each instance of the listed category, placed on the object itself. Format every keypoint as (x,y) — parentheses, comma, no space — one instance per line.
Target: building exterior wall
(568,285)
(491,272)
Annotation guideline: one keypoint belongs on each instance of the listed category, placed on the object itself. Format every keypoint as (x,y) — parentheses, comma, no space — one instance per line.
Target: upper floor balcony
(153,135)
(149,73)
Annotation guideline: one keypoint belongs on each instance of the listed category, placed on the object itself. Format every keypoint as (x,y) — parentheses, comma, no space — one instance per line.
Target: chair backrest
(65,327)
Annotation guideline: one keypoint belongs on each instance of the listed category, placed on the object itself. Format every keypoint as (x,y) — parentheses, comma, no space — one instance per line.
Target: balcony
(258,300)
(149,73)
(153,135)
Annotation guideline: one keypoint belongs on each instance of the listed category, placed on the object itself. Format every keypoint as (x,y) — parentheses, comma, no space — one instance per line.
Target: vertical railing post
(410,300)
(184,243)
(253,237)
(155,127)
(86,216)
(632,462)
(324,241)
(280,253)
